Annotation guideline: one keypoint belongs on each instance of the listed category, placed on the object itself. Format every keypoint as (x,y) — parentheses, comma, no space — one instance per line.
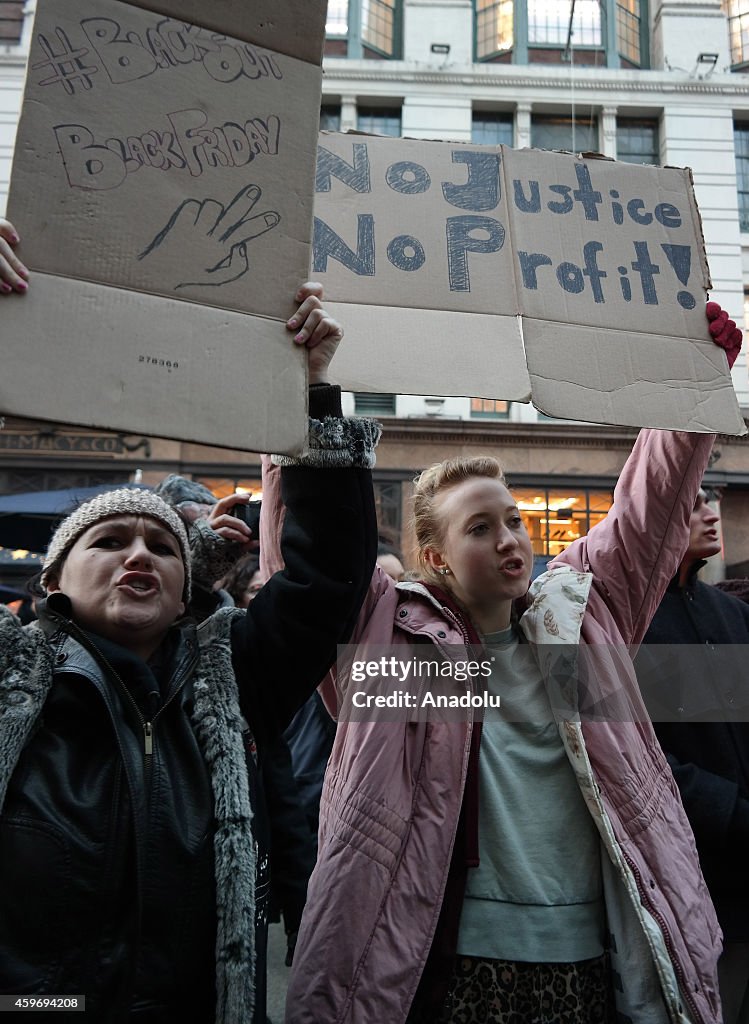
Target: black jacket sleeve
(287,641)
(700,633)
(711,803)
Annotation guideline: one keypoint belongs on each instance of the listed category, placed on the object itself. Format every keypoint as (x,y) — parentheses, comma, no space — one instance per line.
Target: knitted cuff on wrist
(337,443)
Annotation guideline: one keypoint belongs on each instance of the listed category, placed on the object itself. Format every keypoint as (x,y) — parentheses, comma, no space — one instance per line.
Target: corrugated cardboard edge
(369,356)
(285,29)
(663,406)
(161,347)
(697,222)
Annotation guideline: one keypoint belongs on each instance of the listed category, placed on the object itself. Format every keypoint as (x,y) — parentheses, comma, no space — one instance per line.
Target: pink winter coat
(393,790)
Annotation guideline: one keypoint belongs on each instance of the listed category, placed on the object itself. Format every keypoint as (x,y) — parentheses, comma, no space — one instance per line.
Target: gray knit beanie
(115,503)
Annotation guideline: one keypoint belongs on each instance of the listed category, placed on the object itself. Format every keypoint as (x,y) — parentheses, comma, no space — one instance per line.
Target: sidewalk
(278,974)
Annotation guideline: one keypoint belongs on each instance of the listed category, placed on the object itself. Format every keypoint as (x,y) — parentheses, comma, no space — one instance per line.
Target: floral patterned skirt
(510,992)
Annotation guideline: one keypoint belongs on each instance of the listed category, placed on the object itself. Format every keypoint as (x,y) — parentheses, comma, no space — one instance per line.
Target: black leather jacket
(106,857)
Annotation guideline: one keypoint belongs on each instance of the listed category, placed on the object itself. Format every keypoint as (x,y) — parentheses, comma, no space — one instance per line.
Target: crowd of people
(177,718)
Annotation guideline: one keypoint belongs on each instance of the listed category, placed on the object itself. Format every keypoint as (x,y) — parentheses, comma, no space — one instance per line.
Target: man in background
(710,758)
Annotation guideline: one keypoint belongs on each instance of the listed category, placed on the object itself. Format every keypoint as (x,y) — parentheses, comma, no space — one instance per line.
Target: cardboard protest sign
(162,185)
(498,273)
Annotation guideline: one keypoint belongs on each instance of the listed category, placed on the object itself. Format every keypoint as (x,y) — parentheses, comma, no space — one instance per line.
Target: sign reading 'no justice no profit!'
(511,274)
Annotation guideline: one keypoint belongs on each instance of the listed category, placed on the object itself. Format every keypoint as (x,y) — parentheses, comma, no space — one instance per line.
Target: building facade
(652,82)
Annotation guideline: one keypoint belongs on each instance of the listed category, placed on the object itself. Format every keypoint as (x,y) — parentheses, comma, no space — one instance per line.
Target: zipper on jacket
(646,901)
(73,630)
(185,664)
(91,647)
(147,726)
(459,623)
(678,970)
(148,730)
(147,762)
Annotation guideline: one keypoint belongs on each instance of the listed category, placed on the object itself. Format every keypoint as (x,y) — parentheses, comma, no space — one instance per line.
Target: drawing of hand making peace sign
(209,241)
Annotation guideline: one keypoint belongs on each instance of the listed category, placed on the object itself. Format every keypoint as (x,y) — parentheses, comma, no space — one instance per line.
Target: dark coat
(709,757)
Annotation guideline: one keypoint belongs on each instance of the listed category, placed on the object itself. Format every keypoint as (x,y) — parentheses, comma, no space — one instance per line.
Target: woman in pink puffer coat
(565,889)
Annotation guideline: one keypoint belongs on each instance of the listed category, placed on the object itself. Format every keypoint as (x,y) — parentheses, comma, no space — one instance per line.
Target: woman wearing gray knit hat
(133,870)
(131,601)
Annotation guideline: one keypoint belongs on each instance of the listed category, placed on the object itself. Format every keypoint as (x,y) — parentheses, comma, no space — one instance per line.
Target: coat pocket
(35,925)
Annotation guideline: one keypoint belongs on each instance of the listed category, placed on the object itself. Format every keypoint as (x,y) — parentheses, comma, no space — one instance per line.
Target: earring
(444,571)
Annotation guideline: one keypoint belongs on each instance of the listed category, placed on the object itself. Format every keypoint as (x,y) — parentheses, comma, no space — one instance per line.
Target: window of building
(330,118)
(337,19)
(578,135)
(741,150)
(378,25)
(637,141)
(554,518)
(490,129)
(387,496)
(489,408)
(629,30)
(11,21)
(379,121)
(604,32)
(737,12)
(494,27)
(549,22)
(366,404)
(371,28)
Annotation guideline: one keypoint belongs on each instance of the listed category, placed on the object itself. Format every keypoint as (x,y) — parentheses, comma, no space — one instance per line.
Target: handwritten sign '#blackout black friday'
(579,281)
(162,184)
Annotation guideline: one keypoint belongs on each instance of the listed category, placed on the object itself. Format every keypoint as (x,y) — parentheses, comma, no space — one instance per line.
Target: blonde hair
(428,524)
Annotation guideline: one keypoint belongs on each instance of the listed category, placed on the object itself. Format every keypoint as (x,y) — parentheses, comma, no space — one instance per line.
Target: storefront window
(555,518)
(225,485)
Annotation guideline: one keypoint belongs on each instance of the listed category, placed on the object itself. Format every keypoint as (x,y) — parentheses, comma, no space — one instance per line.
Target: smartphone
(249,514)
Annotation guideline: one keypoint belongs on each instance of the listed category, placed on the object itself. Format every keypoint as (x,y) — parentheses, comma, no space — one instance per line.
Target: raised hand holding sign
(13,274)
(724,332)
